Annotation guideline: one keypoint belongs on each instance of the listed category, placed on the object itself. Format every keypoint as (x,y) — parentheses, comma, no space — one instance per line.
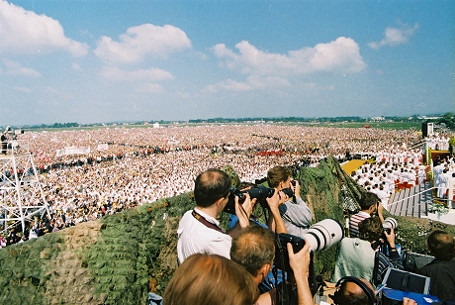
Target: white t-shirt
(196,237)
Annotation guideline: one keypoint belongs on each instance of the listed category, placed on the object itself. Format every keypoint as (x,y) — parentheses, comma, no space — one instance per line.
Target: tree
(449,120)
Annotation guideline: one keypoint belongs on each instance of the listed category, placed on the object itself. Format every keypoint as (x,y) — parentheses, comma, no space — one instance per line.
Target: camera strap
(206,223)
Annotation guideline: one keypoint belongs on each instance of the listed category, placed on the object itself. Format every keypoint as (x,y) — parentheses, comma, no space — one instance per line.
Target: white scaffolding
(21,196)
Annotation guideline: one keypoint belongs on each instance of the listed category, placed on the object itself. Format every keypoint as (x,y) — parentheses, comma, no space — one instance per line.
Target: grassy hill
(120,258)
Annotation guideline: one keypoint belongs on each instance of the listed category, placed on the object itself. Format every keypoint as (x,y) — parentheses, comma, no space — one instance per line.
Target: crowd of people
(443,169)
(438,142)
(104,170)
(363,259)
(87,174)
(383,177)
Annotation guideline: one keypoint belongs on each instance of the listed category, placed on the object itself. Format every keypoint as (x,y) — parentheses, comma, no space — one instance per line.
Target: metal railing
(390,205)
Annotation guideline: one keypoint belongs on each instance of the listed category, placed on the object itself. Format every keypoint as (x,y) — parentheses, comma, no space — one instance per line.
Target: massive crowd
(86,174)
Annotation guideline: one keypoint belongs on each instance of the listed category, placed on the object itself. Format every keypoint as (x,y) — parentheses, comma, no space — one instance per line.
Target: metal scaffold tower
(21,196)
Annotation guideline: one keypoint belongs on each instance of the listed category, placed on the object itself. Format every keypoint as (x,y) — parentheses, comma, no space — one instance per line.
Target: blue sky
(103,61)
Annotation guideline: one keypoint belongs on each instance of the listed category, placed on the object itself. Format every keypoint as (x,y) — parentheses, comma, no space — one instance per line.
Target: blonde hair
(207,279)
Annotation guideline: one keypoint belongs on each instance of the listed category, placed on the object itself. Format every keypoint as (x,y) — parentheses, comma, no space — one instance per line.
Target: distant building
(156,125)
(378,118)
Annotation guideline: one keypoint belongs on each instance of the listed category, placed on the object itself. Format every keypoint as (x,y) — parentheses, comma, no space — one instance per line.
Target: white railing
(414,195)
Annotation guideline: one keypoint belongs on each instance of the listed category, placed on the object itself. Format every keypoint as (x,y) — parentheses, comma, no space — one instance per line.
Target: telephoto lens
(324,234)
(390,223)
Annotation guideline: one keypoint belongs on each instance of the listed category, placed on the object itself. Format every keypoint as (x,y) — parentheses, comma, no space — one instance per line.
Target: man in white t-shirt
(199,230)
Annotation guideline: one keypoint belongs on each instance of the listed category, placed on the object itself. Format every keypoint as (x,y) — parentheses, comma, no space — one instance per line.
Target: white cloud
(16,69)
(152,74)
(150,88)
(343,55)
(24,32)
(395,36)
(228,85)
(253,82)
(140,41)
(22,89)
(51,90)
(76,67)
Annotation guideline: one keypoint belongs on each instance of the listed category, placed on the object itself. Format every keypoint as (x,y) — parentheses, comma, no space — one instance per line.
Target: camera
(260,192)
(389,223)
(321,235)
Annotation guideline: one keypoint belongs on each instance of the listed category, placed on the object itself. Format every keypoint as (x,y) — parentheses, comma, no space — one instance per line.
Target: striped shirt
(354,223)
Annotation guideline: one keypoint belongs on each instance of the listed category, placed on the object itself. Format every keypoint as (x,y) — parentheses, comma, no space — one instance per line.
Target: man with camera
(199,230)
(370,204)
(297,215)
(254,248)
(361,257)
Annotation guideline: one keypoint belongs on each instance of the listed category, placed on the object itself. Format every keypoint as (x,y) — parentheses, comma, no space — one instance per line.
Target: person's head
(369,202)
(441,245)
(211,186)
(354,291)
(254,249)
(279,177)
(371,229)
(207,279)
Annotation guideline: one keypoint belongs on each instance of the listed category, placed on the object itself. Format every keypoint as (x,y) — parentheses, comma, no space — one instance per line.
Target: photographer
(370,204)
(199,229)
(361,257)
(254,248)
(297,215)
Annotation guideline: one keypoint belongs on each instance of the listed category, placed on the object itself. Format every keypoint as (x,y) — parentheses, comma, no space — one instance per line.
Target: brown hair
(441,245)
(278,174)
(210,186)
(207,279)
(253,248)
(368,199)
(370,229)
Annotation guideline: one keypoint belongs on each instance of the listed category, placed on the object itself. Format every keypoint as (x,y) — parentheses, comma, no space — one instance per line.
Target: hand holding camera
(389,234)
(300,264)
(244,209)
(300,261)
(295,186)
(275,200)
(380,208)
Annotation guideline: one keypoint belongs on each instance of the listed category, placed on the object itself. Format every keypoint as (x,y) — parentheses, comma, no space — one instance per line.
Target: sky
(99,61)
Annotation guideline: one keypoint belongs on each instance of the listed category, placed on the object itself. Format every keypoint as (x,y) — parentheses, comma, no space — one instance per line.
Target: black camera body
(260,192)
(282,262)
(281,251)
(321,235)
